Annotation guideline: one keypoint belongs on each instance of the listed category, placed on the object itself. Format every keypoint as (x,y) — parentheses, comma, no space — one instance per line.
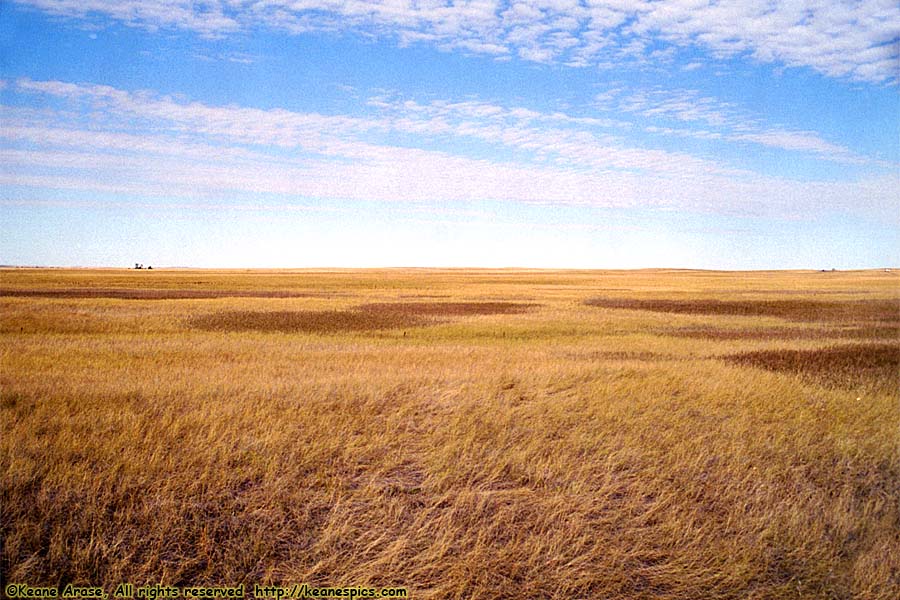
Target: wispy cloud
(683,105)
(718,120)
(543,135)
(801,141)
(856,39)
(144,143)
(237,58)
(557,138)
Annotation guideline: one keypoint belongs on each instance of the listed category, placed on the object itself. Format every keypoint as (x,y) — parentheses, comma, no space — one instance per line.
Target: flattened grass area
(489,434)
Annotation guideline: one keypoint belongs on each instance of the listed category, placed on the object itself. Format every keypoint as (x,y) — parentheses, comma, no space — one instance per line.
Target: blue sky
(563,133)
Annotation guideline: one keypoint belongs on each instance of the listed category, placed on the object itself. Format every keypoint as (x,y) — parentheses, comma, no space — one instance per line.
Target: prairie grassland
(467,434)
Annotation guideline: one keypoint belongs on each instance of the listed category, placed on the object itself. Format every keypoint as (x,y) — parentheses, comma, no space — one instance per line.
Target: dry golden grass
(463,433)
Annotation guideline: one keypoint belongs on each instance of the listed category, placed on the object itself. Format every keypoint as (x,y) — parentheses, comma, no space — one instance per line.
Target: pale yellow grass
(563,451)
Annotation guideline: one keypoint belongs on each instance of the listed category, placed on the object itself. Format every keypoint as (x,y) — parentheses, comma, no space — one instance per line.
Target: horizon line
(446,268)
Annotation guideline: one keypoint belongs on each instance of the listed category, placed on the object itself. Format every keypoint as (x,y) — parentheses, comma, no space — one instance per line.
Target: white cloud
(700,134)
(200,151)
(729,122)
(343,137)
(683,105)
(856,39)
(802,141)
(207,18)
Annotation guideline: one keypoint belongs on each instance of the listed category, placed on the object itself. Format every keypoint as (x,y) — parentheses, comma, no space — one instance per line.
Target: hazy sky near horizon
(556,133)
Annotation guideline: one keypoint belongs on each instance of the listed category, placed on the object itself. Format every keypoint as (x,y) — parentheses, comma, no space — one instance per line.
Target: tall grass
(463,433)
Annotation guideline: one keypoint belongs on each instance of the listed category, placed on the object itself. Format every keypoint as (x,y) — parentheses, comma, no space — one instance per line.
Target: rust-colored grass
(448,309)
(367,317)
(847,365)
(463,433)
(797,309)
(152,294)
(821,332)
(318,321)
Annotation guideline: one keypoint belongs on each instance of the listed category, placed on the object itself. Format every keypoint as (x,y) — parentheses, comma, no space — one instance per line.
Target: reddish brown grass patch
(797,310)
(368,317)
(447,309)
(153,294)
(710,332)
(846,365)
(623,355)
(309,321)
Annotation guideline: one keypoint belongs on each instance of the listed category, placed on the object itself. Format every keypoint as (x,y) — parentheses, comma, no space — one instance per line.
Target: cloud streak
(853,39)
(147,144)
(720,121)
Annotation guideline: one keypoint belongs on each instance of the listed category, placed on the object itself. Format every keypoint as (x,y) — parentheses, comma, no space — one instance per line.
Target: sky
(485,133)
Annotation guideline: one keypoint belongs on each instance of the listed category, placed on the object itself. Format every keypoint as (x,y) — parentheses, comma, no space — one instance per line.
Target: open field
(465,434)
